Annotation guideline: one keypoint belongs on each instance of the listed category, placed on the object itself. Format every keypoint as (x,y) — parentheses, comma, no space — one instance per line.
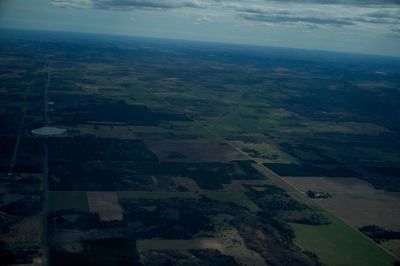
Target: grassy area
(238,198)
(339,244)
(178,130)
(27,232)
(155,195)
(267,151)
(68,200)
(247,120)
(177,244)
(226,239)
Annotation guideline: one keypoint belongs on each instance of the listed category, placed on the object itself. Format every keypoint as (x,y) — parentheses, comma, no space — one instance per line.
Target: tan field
(354,200)
(227,240)
(393,245)
(27,232)
(106,205)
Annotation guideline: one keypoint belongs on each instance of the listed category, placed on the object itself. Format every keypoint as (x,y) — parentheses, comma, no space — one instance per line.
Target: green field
(238,198)
(68,200)
(267,151)
(339,244)
(155,195)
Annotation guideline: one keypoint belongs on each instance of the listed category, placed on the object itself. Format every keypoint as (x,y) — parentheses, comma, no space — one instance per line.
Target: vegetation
(302,113)
(68,200)
(275,202)
(104,252)
(238,198)
(378,234)
(318,194)
(340,244)
(309,170)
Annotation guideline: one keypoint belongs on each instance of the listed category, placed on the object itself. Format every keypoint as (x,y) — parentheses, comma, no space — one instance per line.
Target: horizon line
(205,42)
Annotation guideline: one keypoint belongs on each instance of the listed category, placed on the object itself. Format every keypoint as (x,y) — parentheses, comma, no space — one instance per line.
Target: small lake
(48,131)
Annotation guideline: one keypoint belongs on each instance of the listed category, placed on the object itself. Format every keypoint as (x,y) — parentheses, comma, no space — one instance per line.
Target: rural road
(45,185)
(20,132)
(276,179)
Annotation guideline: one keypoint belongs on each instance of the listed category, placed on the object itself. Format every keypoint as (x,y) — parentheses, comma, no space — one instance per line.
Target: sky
(360,26)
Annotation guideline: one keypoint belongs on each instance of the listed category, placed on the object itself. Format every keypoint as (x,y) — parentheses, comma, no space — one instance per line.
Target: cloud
(394,33)
(345,2)
(171,4)
(275,18)
(309,14)
(152,4)
(73,3)
(204,19)
(129,4)
(389,17)
(313,15)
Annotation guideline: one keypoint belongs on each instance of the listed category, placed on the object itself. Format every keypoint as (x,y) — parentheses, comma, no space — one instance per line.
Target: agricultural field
(357,203)
(68,200)
(354,200)
(106,205)
(201,157)
(195,152)
(324,241)
(226,241)
(353,249)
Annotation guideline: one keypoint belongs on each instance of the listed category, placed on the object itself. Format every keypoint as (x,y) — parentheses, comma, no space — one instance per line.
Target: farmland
(65,200)
(203,156)
(354,200)
(324,241)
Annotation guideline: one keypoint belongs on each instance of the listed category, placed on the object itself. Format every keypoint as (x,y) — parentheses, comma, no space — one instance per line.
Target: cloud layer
(128,4)
(306,14)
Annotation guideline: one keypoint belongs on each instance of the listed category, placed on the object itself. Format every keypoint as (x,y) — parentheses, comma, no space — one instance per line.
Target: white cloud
(74,3)
(306,14)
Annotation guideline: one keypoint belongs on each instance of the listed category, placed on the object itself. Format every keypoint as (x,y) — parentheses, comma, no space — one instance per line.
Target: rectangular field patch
(68,200)
(174,151)
(106,205)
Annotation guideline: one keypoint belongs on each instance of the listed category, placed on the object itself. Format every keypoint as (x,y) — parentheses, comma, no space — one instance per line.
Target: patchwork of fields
(193,159)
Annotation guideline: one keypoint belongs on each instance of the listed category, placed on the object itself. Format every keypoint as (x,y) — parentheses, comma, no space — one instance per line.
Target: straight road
(20,132)
(45,185)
